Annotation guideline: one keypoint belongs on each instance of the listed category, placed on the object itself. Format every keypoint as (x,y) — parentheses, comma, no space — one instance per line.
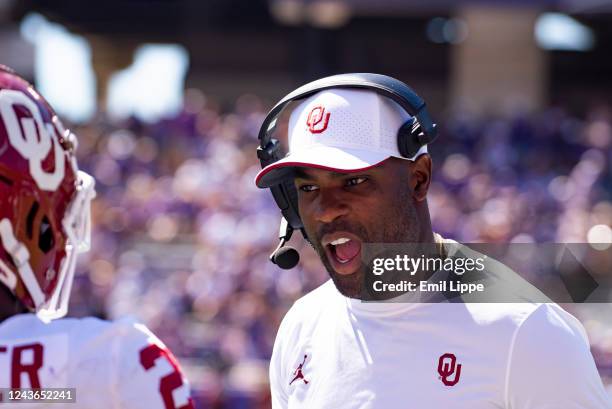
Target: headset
(419,130)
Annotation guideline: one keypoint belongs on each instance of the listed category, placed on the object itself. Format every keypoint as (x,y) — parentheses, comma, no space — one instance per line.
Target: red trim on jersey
(170,382)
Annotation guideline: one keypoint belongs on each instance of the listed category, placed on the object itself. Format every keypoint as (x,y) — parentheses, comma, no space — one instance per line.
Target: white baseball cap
(340,130)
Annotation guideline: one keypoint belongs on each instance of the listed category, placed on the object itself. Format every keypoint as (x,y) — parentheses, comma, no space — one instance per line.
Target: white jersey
(335,352)
(110,364)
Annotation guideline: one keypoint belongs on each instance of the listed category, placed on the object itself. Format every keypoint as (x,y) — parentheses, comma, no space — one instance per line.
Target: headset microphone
(285,257)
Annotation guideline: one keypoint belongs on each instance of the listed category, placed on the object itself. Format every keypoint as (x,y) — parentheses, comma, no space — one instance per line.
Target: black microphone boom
(286,257)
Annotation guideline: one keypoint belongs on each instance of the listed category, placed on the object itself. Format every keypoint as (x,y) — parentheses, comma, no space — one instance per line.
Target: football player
(44,224)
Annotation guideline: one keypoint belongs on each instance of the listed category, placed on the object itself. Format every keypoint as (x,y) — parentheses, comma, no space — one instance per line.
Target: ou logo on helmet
(35,141)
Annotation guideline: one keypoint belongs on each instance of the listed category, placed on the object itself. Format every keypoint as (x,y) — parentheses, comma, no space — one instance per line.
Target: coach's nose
(330,205)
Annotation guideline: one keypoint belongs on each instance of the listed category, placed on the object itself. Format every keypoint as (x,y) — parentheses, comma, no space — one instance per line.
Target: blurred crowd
(182,235)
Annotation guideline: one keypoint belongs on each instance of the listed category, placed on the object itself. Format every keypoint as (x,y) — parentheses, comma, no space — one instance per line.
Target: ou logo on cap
(27,143)
(317,119)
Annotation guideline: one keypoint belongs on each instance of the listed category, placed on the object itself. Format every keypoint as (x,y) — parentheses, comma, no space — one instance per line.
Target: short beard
(400,225)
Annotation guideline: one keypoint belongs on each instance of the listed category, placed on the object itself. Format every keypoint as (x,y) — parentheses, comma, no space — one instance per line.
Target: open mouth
(343,250)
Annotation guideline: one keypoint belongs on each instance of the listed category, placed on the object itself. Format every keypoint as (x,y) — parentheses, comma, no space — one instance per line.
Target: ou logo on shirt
(447,366)
(35,141)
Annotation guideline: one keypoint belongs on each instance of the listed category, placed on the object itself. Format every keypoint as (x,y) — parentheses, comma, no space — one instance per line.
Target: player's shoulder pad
(83,329)
(132,332)
(137,348)
(148,374)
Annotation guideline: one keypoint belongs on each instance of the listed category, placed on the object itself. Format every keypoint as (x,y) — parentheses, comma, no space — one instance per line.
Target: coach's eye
(308,188)
(356,181)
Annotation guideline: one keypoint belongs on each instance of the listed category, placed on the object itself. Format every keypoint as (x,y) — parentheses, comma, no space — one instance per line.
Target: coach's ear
(420,177)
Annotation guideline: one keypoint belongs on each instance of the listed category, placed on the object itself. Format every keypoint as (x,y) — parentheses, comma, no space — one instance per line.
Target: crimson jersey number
(19,367)
(168,383)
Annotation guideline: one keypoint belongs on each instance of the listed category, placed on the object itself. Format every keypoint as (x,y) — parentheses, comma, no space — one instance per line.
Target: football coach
(358,172)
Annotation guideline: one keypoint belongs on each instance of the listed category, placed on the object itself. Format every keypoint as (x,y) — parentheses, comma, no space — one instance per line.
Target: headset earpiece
(410,138)
(269,153)
(407,144)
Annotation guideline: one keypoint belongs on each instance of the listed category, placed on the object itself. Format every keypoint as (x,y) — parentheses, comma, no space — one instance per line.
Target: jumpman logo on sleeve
(298,372)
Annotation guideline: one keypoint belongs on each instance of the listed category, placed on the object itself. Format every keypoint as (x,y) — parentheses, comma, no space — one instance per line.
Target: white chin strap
(77,226)
(21,257)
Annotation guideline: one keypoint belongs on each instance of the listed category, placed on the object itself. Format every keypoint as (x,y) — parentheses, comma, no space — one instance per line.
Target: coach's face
(341,211)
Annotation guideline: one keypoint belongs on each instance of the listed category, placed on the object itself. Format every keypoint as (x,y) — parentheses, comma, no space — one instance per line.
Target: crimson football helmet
(44,200)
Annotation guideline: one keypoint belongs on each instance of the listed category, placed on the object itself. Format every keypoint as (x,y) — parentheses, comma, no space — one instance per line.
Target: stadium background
(166,98)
